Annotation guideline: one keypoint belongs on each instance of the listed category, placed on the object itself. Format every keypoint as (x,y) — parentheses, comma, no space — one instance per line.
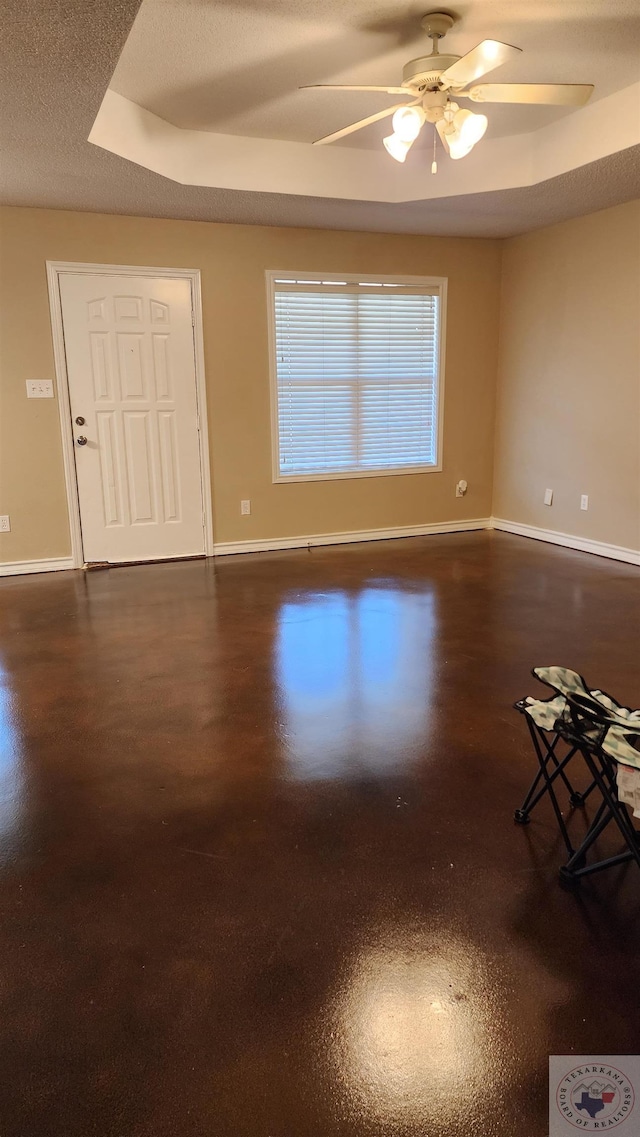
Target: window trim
(439,282)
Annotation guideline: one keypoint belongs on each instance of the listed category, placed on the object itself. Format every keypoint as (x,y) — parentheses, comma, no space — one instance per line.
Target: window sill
(283,479)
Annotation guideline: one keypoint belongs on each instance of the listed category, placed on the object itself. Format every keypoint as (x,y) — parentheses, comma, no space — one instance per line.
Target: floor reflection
(11,772)
(354,673)
(415,1034)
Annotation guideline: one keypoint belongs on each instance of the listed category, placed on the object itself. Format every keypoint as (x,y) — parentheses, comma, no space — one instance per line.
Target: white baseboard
(264,545)
(582,544)
(226,548)
(51,564)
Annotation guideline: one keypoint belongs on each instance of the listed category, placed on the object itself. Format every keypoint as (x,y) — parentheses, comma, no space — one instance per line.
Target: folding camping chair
(607,735)
(543,718)
(595,725)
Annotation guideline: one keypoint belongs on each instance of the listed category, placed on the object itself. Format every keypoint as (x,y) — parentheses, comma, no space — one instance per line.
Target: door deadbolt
(80,420)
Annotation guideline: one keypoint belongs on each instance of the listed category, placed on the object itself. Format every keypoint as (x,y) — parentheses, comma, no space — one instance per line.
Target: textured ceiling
(235,66)
(58,60)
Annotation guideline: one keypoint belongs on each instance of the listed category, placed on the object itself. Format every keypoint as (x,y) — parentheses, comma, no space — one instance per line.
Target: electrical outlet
(245,508)
(461,488)
(5,524)
(584,501)
(39,388)
(548,497)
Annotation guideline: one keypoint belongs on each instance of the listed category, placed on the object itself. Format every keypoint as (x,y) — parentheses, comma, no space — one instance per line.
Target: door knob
(81,441)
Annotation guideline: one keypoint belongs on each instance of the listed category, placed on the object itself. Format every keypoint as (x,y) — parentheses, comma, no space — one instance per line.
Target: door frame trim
(56,269)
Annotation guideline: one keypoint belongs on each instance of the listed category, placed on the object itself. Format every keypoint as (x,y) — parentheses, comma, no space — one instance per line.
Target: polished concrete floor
(259,875)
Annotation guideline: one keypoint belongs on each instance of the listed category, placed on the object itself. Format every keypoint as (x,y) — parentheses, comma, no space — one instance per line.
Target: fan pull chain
(434,164)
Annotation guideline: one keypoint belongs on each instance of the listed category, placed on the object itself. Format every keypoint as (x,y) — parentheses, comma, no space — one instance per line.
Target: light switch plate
(39,388)
(548,497)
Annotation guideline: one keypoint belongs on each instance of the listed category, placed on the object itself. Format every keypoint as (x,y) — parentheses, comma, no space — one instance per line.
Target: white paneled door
(131,370)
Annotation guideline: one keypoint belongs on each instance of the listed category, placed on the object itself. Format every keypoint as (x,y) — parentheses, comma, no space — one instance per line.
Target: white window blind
(356,371)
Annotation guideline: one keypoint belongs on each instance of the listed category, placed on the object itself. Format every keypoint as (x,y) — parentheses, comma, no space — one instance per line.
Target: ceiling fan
(433,80)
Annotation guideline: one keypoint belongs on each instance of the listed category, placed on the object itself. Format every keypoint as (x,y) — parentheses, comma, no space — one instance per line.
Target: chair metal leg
(610,810)
(548,780)
(535,794)
(602,819)
(580,798)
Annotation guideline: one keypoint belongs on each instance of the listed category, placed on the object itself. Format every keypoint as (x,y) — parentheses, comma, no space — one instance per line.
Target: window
(356,375)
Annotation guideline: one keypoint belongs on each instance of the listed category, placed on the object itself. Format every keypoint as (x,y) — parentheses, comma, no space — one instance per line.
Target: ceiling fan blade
(340,87)
(351,129)
(552,94)
(485,57)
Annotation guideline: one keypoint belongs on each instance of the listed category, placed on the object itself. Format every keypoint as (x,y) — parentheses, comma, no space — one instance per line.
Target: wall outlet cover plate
(39,388)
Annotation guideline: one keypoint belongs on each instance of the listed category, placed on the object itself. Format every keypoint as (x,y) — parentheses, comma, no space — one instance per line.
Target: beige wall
(568,412)
(569,378)
(232,260)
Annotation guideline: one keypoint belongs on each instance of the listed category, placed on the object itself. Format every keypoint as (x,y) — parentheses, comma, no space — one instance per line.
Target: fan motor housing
(425,71)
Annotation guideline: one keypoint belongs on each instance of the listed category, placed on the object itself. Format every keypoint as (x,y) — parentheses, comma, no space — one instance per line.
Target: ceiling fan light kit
(408,122)
(397,147)
(460,131)
(433,79)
